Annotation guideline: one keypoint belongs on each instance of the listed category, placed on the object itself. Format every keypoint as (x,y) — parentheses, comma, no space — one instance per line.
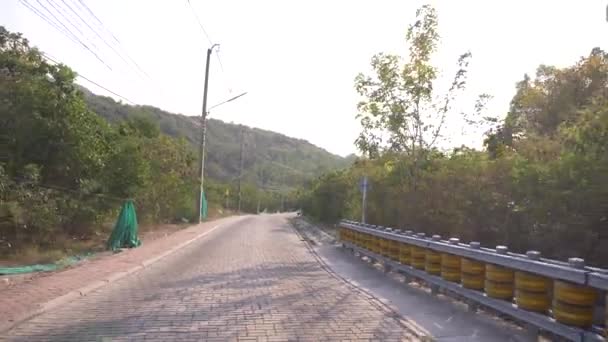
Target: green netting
(27,269)
(67,261)
(203,205)
(124,234)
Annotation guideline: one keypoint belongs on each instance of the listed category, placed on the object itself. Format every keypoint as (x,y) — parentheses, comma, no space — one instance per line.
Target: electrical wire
(47,19)
(49,58)
(70,32)
(83,5)
(217,53)
(219,60)
(199,22)
(65,31)
(97,34)
(63,13)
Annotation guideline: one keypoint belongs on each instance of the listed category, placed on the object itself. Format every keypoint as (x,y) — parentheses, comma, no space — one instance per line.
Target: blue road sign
(364,184)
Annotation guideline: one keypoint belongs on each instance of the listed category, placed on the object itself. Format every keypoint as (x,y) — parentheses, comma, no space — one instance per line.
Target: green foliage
(541,183)
(270,159)
(65,170)
(399,110)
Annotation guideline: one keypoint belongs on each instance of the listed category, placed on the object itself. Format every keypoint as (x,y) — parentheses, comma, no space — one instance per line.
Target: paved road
(253,280)
(444,319)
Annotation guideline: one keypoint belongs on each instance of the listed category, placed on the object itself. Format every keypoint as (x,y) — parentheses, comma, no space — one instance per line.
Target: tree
(45,119)
(400,110)
(552,98)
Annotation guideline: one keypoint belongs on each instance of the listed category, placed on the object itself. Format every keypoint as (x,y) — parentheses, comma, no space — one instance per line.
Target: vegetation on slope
(540,183)
(270,159)
(65,170)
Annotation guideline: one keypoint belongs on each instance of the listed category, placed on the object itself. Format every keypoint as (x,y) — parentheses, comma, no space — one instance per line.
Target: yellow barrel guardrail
(564,296)
(432,263)
(405,252)
(418,255)
(394,250)
(533,292)
(573,304)
(499,282)
(450,264)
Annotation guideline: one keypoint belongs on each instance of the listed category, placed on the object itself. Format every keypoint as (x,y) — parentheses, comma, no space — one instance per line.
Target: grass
(64,247)
(32,255)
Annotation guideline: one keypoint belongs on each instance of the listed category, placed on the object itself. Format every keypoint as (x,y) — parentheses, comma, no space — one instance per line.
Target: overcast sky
(297,59)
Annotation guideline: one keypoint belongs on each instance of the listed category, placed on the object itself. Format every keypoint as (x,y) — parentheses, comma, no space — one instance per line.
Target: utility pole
(241,164)
(199,199)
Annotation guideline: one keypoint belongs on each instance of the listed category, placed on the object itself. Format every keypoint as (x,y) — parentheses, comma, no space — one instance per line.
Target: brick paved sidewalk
(22,299)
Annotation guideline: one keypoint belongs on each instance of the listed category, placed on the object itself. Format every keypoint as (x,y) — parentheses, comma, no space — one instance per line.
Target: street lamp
(203,142)
(223,102)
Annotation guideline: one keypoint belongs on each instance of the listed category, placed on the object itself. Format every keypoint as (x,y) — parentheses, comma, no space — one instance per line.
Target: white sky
(298,59)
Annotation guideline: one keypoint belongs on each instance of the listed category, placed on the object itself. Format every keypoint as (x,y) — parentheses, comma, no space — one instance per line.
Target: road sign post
(363,186)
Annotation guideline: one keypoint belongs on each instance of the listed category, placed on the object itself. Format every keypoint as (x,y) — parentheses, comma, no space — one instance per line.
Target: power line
(54,5)
(226,78)
(82,4)
(65,31)
(219,60)
(199,22)
(61,11)
(57,22)
(217,53)
(97,34)
(106,89)
(71,33)
(46,56)
(45,18)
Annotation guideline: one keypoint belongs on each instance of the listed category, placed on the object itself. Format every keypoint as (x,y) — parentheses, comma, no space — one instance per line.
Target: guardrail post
(386,251)
(405,255)
(573,304)
(418,254)
(472,275)
(499,280)
(450,265)
(532,292)
(433,263)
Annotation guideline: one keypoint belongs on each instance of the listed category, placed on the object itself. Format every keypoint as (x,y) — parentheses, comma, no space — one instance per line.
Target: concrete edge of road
(382,305)
(97,284)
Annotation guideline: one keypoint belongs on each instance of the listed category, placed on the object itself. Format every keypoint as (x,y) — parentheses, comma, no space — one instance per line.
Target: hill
(270,159)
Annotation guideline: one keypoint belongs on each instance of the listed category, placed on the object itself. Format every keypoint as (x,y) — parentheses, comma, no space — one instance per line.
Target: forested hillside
(270,159)
(541,183)
(65,170)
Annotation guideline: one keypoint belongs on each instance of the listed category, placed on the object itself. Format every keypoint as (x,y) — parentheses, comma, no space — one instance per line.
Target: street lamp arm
(229,100)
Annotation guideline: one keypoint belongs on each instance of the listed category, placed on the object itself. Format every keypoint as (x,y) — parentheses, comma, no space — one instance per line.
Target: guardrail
(563,298)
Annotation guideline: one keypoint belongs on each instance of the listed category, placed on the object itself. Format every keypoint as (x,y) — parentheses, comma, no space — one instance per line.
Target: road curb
(381,304)
(97,284)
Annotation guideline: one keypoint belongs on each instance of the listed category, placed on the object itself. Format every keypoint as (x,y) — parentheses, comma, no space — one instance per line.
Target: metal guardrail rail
(554,296)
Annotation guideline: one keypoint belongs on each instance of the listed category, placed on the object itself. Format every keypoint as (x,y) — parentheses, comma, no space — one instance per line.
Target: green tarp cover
(203,205)
(43,267)
(124,234)
(27,269)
